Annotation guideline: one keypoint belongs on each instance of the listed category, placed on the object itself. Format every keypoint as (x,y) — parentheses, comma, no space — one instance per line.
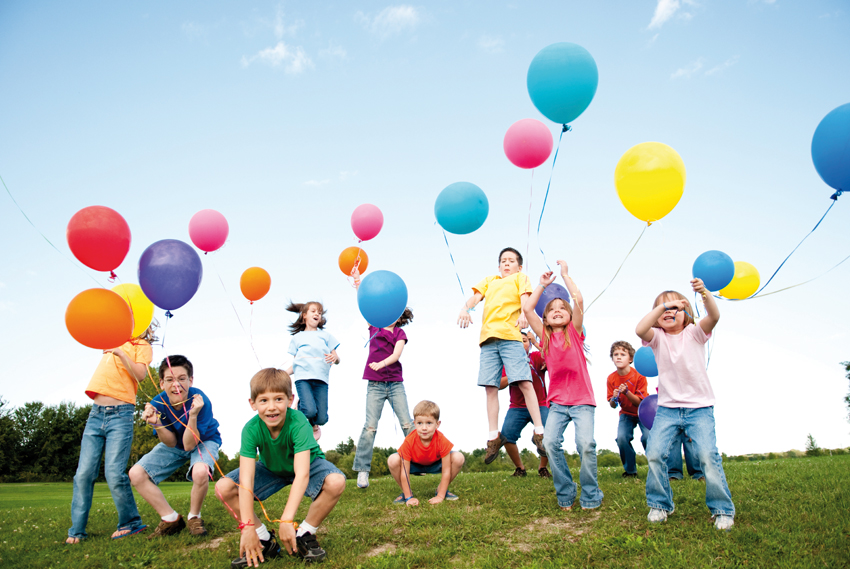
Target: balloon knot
(836,195)
(113,276)
(251,302)
(168,314)
(648,223)
(205,252)
(567,128)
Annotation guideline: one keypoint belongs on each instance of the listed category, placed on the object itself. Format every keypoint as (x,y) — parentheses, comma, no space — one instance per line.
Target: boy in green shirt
(288,454)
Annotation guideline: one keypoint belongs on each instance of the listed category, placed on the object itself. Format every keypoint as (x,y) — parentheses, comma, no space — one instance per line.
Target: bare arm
(445,478)
(712,312)
(249,542)
(528,306)
(575,293)
(152,418)
(301,466)
(464,319)
(399,347)
(405,482)
(190,435)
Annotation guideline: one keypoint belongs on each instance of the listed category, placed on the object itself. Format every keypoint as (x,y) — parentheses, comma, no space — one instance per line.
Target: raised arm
(575,293)
(644,328)
(464,319)
(528,306)
(712,313)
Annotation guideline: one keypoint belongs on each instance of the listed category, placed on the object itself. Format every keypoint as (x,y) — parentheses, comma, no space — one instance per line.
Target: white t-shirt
(682,378)
(309,349)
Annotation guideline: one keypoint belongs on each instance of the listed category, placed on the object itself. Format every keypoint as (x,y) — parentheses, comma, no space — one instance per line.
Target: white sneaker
(656,515)
(362,479)
(722,522)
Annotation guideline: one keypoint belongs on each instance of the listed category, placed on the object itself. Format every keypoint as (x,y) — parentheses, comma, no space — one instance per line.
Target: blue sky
(287,116)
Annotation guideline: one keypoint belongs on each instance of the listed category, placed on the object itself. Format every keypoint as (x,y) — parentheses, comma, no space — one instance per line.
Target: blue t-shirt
(207,425)
(309,349)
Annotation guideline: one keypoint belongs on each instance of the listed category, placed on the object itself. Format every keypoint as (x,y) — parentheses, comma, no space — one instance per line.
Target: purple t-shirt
(381,347)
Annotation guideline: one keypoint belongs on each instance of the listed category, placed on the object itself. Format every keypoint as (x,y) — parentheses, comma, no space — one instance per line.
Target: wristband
(664,304)
(243,525)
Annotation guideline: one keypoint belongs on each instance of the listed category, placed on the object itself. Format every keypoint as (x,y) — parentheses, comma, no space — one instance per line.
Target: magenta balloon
(528,143)
(208,230)
(366,221)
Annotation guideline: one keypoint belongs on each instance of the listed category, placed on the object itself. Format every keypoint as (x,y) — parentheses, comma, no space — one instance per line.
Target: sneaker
(656,515)
(196,527)
(308,548)
(168,528)
(520,472)
(630,475)
(317,432)
(493,448)
(362,479)
(544,472)
(537,439)
(271,549)
(723,523)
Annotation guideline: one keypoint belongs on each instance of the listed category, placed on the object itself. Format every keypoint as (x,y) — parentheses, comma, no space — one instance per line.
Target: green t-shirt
(278,454)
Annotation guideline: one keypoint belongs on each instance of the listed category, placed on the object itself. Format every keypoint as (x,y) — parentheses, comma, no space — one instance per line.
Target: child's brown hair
(623,346)
(405,318)
(673,295)
(428,409)
(301,309)
(271,380)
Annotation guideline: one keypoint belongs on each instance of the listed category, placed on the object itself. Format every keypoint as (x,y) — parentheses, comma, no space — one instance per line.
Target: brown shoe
(168,528)
(537,439)
(493,448)
(196,527)
(544,472)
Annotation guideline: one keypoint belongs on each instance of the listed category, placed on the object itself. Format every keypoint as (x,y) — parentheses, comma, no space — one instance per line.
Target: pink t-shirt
(569,380)
(682,378)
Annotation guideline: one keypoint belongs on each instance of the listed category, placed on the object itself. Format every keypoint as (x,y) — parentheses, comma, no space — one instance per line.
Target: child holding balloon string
(571,396)
(685,402)
(109,435)
(314,350)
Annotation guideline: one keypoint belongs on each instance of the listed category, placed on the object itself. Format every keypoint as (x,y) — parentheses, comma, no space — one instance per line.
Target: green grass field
(790,513)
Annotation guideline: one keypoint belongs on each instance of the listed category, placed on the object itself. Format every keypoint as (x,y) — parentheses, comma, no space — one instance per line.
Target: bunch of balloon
(208,230)
(650,180)
(744,283)
(99,238)
(170,273)
(255,283)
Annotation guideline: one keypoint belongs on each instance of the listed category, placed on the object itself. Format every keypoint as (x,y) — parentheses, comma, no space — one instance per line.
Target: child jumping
(505,295)
(314,351)
(570,392)
(182,418)
(627,388)
(685,402)
(109,434)
(383,372)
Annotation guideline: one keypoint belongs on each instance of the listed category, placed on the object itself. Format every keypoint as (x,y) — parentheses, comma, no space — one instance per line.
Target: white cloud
(295,60)
(490,44)
(391,21)
(688,70)
(664,10)
(333,51)
(725,65)
(316,183)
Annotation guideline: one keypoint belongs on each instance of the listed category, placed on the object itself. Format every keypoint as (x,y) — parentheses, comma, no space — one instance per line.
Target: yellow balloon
(140,306)
(650,180)
(744,283)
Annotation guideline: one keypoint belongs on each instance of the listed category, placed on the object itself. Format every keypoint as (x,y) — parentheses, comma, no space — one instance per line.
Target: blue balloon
(461,208)
(831,148)
(552,292)
(715,268)
(645,362)
(382,297)
(170,273)
(647,410)
(562,80)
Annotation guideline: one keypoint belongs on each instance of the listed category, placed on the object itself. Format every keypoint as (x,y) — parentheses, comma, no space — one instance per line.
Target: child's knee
(201,474)
(334,484)
(138,475)
(458,459)
(393,461)
(225,488)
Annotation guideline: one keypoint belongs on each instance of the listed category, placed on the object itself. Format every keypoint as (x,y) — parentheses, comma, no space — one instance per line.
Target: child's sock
(538,430)
(191,515)
(493,435)
(305,528)
(172,517)
(263,533)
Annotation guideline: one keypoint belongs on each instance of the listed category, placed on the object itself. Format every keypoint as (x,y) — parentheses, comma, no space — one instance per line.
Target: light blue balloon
(562,81)
(715,268)
(831,148)
(645,362)
(382,297)
(461,208)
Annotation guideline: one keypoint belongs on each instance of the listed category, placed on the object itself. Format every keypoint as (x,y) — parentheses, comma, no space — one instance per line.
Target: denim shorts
(267,483)
(498,353)
(516,419)
(163,460)
(433,468)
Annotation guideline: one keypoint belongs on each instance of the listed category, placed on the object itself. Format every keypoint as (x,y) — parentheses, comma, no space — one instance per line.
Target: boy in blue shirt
(182,418)
(288,455)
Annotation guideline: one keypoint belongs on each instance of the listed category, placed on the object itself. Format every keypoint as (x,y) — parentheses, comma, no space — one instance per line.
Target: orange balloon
(349,257)
(99,318)
(255,283)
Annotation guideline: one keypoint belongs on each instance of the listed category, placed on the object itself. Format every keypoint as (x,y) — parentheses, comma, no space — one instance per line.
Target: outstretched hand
(464,319)
(565,271)
(699,287)
(547,278)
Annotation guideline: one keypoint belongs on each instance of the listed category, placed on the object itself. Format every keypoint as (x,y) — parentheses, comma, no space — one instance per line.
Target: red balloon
(99,237)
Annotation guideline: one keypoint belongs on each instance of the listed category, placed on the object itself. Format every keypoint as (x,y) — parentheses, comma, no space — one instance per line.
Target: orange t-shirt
(413,450)
(637,385)
(112,379)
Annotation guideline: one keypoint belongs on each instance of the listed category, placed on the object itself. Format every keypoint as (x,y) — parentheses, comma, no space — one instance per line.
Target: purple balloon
(647,409)
(170,273)
(552,292)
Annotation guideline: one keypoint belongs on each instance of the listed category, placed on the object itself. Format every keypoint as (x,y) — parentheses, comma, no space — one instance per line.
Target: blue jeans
(267,483)
(698,425)
(516,419)
(625,434)
(313,400)
(163,460)
(108,434)
(565,489)
(674,461)
(497,354)
(377,392)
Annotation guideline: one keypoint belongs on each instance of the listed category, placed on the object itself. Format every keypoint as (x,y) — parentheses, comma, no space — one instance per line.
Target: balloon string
(236,312)
(44,236)
(352,274)
(453,266)
(528,233)
(565,128)
(618,269)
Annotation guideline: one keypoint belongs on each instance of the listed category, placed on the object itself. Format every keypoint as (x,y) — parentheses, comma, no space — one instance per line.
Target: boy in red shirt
(427,451)
(627,388)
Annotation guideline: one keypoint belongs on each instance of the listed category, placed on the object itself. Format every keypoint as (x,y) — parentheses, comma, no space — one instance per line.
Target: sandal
(126,531)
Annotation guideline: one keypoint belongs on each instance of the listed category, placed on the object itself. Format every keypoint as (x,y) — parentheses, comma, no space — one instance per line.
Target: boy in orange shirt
(425,451)
(627,388)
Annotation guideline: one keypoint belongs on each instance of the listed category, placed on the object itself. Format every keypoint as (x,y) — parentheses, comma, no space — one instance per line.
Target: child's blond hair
(673,295)
(271,380)
(428,409)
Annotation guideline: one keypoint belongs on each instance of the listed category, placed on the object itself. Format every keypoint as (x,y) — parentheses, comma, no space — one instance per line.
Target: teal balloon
(461,208)
(562,81)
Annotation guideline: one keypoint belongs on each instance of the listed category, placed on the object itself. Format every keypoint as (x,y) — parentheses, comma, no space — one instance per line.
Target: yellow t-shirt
(112,379)
(502,305)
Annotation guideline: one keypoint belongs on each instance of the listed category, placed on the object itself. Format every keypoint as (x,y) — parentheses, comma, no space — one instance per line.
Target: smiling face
(313,316)
(271,407)
(176,382)
(426,426)
(671,321)
(509,264)
(558,314)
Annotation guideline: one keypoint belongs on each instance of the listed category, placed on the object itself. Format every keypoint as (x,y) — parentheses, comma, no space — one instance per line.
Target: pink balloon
(366,221)
(528,143)
(208,230)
